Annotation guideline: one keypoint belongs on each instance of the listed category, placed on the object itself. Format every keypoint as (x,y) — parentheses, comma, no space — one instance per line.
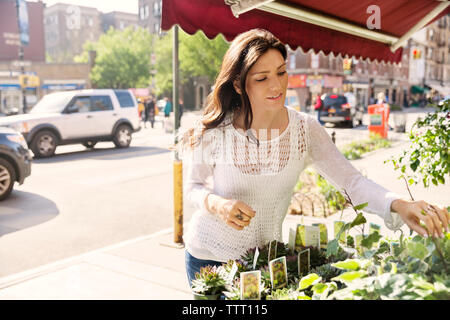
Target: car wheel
(44,144)
(122,136)
(7,178)
(89,144)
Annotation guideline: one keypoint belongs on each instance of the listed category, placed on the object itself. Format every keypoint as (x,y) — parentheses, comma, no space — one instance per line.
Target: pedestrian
(167,110)
(167,107)
(318,108)
(247,152)
(150,111)
(181,108)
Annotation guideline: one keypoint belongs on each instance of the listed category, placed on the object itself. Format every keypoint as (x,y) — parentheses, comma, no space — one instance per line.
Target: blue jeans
(193,265)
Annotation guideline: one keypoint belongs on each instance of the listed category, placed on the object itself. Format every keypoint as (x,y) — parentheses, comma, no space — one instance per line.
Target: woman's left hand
(412,213)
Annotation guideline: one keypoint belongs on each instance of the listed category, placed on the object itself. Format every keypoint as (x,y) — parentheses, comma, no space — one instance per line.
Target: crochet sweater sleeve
(334,167)
(198,184)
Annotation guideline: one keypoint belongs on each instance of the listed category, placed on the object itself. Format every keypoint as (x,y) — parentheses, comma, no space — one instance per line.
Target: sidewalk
(147,268)
(140,269)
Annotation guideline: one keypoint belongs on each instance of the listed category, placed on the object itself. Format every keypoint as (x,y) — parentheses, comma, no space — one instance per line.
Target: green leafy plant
(354,150)
(429,154)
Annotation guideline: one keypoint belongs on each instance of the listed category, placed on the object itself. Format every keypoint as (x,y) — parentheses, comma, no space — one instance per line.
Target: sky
(130,6)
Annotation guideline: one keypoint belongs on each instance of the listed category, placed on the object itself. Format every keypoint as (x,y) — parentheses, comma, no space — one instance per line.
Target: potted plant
(208,283)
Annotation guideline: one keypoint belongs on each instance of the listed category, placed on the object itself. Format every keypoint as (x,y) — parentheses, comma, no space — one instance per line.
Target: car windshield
(51,103)
(334,100)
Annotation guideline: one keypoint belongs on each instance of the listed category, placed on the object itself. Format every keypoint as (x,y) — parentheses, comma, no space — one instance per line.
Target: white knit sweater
(263,177)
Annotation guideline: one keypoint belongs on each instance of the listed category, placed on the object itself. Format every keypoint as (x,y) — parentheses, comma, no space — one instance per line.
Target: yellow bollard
(178,200)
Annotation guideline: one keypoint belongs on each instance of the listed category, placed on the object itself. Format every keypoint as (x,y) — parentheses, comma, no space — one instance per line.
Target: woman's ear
(237,85)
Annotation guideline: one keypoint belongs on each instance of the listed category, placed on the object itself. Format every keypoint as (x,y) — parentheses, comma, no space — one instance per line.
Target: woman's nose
(275,85)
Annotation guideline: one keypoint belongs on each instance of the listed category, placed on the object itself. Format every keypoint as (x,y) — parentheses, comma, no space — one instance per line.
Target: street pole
(177,163)
(22,72)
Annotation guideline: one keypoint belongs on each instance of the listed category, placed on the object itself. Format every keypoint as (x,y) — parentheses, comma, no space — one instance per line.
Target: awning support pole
(425,20)
(294,12)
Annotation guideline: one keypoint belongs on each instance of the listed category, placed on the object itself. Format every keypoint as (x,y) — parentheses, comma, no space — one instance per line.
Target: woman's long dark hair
(242,54)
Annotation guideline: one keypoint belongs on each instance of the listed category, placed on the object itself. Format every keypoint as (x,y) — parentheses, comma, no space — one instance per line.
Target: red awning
(286,20)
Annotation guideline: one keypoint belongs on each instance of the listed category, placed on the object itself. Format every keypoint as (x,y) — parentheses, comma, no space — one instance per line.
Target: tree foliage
(198,56)
(123,58)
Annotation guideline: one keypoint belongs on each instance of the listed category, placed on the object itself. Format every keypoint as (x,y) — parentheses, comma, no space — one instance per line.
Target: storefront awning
(63,86)
(339,26)
(418,89)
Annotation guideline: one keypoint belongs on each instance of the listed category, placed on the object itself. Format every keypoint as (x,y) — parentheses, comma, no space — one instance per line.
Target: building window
(157,8)
(146,11)
(141,13)
(156,28)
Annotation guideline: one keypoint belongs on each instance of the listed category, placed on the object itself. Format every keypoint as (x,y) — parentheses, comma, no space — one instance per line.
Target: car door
(103,114)
(77,120)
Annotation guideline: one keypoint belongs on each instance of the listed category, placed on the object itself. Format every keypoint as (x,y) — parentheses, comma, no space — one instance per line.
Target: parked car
(336,109)
(79,116)
(15,160)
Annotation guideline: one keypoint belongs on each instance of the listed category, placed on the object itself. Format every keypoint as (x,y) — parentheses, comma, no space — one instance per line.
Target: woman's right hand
(234,213)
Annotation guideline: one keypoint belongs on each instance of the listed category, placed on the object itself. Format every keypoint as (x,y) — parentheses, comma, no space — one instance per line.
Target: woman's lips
(275,98)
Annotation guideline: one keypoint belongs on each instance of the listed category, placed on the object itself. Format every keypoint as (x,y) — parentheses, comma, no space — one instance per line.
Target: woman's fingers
(232,224)
(443,215)
(414,224)
(246,210)
(239,215)
(434,218)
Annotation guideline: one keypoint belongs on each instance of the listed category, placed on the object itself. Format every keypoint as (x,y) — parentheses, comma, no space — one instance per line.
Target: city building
(67,28)
(118,20)
(27,80)
(430,60)
(150,15)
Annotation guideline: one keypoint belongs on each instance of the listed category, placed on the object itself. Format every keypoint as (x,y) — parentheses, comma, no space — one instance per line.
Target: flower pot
(198,296)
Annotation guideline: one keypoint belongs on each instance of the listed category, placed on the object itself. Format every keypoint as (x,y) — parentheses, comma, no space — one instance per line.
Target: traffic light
(417,53)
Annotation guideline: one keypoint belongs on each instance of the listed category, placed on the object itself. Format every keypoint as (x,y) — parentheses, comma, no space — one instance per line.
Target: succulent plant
(327,271)
(209,281)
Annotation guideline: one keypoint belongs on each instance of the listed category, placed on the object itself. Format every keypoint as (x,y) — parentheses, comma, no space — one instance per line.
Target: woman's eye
(281,73)
(259,80)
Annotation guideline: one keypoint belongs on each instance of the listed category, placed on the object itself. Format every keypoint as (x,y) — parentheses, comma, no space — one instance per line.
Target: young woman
(248,151)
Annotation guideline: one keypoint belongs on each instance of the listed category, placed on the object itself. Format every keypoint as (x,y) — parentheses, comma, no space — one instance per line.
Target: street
(81,200)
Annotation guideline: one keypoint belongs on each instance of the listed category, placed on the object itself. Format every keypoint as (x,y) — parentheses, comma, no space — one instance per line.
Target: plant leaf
(361,206)
(350,276)
(358,220)
(349,264)
(308,281)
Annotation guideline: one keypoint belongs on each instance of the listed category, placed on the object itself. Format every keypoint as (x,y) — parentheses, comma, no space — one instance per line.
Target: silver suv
(82,116)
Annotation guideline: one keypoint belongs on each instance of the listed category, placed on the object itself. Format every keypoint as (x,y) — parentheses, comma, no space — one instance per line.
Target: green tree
(123,58)
(198,56)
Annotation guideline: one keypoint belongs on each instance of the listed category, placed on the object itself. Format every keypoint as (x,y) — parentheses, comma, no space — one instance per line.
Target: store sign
(297,81)
(332,82)
(314,81)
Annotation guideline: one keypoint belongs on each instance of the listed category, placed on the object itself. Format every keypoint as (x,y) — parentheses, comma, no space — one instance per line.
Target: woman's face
(266,82)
